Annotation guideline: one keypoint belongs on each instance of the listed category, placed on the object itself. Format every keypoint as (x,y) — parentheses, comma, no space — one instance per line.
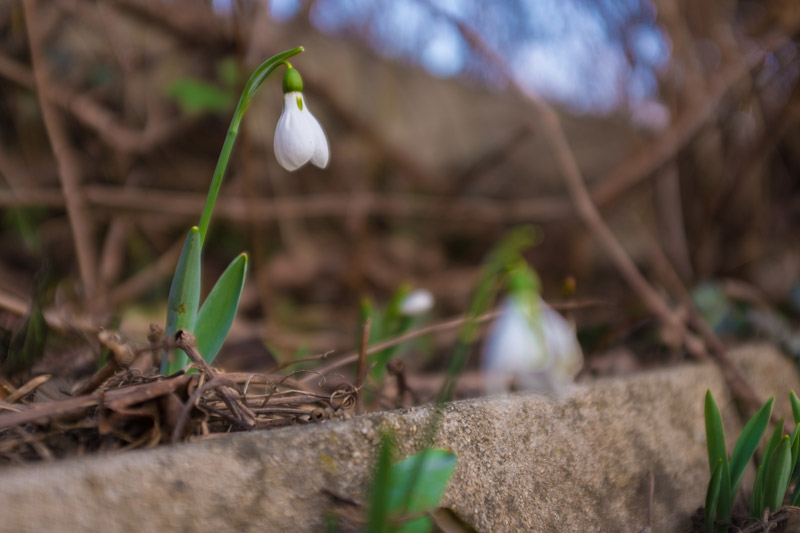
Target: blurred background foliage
(682,115)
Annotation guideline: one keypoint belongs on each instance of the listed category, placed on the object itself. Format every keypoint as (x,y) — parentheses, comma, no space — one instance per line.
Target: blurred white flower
(299,137)
(417,302)
(530,351)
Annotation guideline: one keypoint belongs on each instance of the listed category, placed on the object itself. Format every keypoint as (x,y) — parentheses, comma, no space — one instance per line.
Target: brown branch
(114,399)
(146,278)
(194,23)
(186,205)
(68,167)
(95,116)
(55,319)
(655,154)
(27,388)
(442,326)
(293,362)
(669,214)
(435,328)
(246,418)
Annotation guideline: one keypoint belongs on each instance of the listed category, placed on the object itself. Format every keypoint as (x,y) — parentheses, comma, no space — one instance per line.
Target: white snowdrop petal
(538,353)
(416,302)
(294,135)
(512,344)
(321,150)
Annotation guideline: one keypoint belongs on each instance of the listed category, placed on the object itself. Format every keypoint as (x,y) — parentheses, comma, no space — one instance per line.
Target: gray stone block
(525,463)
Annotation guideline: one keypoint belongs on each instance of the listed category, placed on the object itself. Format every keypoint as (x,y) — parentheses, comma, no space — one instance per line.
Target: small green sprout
(403,494)
(777,471)
(404,311)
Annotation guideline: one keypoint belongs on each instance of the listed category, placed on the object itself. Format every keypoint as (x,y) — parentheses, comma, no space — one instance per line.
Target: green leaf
(747,443)
(715,440)
(796,495)
(795,407)
(776,476)
(216,316)
(392,314)
(28,342)
(712,496)
(795,446)
(197,96)
(367,311)
(757,500)
(184,298)
(418,484)
(773,442)
(378,515)
(525,287)
(25,221)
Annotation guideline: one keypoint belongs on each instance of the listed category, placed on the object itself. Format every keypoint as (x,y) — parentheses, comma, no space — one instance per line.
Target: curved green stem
(255,81)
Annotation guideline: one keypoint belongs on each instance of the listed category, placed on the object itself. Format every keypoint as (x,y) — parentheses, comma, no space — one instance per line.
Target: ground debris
(127,404)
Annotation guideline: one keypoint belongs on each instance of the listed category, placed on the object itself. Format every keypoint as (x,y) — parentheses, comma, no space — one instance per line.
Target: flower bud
(292,82)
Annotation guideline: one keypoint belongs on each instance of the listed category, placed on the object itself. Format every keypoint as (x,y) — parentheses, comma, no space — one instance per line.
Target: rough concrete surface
(525,463)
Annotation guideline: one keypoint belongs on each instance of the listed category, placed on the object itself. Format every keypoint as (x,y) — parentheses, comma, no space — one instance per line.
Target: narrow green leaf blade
(28,342)
(773,442)
(795,446)
(715,434)
(429,471)
(796,495)
(795,407)
(392,313)
(712,496)
(748,442)
(378,514)
(367,310)
(715,441)
(757,500)
(184,298)
(216,316)
(776,476)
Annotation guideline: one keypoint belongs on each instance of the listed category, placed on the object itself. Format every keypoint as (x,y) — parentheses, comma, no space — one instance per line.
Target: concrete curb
(525,463)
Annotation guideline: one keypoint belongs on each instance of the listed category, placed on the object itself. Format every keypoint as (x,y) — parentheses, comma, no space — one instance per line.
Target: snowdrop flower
(531,351)
(298,137)
(417,302)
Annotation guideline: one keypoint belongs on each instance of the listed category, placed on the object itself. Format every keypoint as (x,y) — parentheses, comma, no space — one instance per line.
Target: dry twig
(67,161)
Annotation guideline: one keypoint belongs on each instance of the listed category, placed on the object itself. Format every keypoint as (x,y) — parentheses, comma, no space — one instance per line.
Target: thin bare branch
(69,170)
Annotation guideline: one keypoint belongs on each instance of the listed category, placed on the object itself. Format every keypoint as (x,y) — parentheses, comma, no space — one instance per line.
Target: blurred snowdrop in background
(417,302)
(532,348)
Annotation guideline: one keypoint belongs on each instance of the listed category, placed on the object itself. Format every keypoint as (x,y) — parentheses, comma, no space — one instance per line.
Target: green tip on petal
(292,82)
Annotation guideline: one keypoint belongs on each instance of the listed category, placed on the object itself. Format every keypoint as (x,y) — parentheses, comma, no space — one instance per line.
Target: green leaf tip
(715,441)
(795,407)
(776,477)
(215,318)
(748,442)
